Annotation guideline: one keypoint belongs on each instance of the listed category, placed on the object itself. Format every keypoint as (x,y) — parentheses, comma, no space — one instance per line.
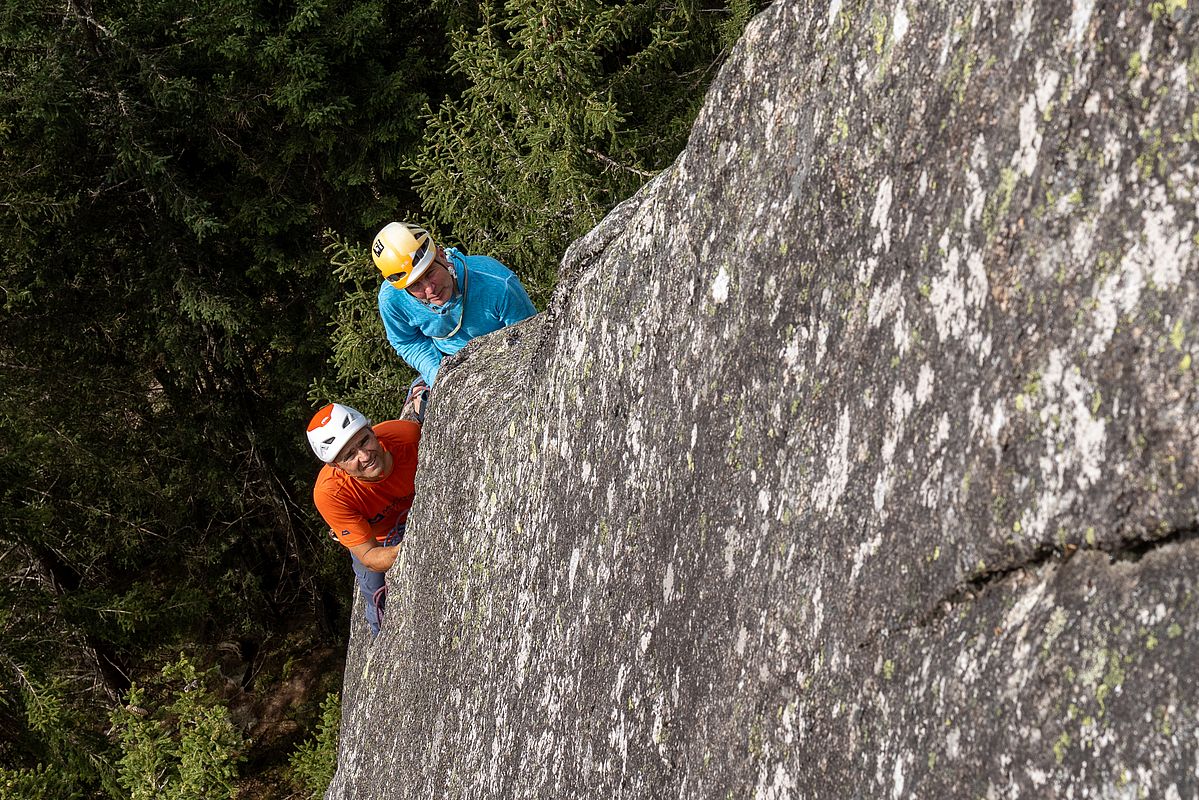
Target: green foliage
(37,783)
(315,761)
(43,703)
(184,747)
(569,107)
(166,175)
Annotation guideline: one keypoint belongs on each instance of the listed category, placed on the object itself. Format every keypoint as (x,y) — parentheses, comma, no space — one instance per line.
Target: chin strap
(462,313)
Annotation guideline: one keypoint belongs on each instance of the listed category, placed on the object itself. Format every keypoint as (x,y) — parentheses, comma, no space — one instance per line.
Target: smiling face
(364,458)
(436,285)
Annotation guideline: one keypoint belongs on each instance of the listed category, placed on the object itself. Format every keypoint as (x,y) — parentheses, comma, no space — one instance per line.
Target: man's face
(436,285)
(363,457)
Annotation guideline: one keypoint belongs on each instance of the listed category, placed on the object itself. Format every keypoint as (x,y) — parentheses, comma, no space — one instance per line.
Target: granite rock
(855,456)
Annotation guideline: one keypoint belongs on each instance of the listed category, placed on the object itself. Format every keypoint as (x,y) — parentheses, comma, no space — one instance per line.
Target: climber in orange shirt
(364,490)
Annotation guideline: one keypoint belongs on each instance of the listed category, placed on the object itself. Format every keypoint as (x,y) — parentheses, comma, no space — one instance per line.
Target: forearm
(409,342)
(379,559)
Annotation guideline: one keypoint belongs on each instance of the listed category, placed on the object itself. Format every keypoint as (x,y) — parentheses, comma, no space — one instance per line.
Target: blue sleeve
(409,342)
(515,305)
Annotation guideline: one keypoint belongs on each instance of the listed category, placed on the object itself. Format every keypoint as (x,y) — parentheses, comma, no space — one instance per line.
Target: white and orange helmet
(331,428)
(402,252)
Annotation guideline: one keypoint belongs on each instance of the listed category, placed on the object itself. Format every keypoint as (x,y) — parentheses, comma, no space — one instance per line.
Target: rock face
(856,454)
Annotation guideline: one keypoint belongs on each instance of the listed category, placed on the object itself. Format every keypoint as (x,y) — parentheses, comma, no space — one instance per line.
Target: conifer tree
(569,107)
(166,173)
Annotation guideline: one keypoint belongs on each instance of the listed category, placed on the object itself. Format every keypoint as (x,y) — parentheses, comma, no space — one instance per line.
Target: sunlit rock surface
(856,454)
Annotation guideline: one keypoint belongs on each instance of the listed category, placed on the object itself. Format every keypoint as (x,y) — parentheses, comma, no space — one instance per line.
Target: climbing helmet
(332,428)
(402,252)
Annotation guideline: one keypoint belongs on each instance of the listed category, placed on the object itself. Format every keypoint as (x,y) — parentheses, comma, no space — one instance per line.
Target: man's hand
(414,405)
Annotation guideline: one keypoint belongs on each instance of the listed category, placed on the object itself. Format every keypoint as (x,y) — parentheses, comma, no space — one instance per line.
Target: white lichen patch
(868,548)
(999,420)
(1068,398)
(575,557)
(1166,246)
(1082,243)
(828,492)
(899,23)
(1018,613)
(976,200)
(880,217)
(720,286)
(901,337)
(1080,19)
(779,785)
(882,489)
(953,747)
(817,606)
(834,8)
(930,487)
(1162,253)
(1149,617)
(1112,185)
(883,303)
(791,353)
(1075,442)
(867,267)
(976,197)
(1024,160)
(924,384)
(897,777)
(956,297)
(902,403)
(742,641)
(730,549)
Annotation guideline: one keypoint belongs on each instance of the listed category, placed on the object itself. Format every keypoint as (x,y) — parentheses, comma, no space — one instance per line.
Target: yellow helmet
(402,252)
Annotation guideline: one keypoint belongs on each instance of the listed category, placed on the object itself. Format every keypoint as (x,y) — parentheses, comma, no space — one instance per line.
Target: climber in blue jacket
(435,300)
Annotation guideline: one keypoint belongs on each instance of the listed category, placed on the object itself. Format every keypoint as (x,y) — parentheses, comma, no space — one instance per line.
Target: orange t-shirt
(357,510)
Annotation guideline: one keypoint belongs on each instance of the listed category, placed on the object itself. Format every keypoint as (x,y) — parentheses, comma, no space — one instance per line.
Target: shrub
(176,739)
(314,761)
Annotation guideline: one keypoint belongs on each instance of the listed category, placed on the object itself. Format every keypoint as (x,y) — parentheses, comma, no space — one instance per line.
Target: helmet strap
(461,311)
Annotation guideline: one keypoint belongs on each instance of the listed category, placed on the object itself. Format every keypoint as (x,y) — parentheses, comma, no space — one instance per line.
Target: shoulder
(398,431)
(487,267)
(391,297)
(328,489)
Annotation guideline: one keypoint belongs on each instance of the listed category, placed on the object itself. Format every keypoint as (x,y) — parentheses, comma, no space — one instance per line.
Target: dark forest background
(188,189)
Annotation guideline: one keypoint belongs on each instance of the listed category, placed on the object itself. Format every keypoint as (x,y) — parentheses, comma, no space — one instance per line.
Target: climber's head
(342,437)
(331,429)
(410,260)
(402,252)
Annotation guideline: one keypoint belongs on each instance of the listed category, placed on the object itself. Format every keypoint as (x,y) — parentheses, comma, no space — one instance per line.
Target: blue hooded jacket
(493,299)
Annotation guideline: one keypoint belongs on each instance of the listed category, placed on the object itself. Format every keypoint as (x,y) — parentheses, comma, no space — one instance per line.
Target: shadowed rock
(855,455)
